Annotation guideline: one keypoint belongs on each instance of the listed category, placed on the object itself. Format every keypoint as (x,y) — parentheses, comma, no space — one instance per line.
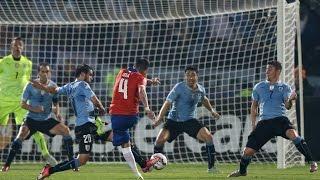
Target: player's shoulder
(52,84)
(285,85)
(26,59)
(201,88)
(83,84)
(123,72)
(180,85)
(6,58)
(29,85)
(136,74)
(261,84)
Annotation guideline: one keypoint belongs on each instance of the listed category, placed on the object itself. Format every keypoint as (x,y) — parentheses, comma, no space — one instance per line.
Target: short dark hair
(43,64)
(84,68)
(17,39)
(142,64)
(275,64)
(191,68)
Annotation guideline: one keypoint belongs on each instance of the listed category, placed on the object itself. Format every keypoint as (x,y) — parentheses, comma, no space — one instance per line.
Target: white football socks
(128,156)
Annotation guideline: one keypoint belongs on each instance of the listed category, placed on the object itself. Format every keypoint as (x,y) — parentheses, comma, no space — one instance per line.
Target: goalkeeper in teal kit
(15,72)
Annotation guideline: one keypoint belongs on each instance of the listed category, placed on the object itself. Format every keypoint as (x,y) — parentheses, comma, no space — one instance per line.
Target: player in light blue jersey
(15,72)
(84,102)
(273,98)
(184,98)
(39,116)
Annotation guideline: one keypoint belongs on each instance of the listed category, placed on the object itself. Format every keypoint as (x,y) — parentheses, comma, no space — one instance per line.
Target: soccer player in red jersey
(129,88)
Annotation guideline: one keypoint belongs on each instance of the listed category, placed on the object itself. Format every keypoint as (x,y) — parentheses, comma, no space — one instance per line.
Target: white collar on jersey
(279,82)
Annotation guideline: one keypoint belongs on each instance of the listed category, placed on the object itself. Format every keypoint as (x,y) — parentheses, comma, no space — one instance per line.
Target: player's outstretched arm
(49,89)
(154,81)
(289,101)
(99,105)
(56,111)
(144,99)
(163,111)
(206,103)
(254,113)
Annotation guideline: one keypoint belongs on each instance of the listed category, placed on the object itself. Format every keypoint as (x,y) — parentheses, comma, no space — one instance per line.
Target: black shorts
(41,126)
(191,127)
(267,129)
(85,135)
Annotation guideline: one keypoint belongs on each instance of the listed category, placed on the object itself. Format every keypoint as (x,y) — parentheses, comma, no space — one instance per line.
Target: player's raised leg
(145,164)
(66,165)
(84,135)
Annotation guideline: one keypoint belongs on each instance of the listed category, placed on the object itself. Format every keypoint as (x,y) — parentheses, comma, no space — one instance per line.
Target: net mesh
(229,41)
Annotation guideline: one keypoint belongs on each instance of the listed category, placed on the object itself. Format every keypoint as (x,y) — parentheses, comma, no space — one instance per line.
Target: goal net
(229,41)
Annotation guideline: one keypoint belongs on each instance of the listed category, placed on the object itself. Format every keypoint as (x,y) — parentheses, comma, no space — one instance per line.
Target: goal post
(288,23)
(229,41)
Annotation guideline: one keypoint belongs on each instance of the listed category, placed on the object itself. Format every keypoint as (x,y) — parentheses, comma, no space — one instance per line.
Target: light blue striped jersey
(79,94)
(35,97)
(271,98)
(184,101)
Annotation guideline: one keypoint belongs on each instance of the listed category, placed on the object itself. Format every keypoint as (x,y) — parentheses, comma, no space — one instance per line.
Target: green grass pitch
(172,171)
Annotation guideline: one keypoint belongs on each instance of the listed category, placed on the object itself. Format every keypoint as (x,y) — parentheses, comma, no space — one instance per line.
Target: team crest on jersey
(87,147)
(16,65)
(280,88)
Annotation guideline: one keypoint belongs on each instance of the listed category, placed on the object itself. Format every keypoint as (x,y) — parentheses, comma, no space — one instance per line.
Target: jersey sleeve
(287,92)
(173,94)
(141,80)
(26,92)
(63,89)
(255,95)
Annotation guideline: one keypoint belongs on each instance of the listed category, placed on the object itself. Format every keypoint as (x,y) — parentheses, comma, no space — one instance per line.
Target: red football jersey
(125,99)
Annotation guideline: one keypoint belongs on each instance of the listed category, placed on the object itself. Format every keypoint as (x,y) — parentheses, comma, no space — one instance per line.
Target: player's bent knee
(65,131)
(249,151)
(291,134)
(83,158)
(163,136)
(204,135)
(24,131)
(161,139)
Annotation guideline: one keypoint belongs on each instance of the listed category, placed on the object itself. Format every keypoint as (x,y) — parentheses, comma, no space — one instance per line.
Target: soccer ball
(161,163)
